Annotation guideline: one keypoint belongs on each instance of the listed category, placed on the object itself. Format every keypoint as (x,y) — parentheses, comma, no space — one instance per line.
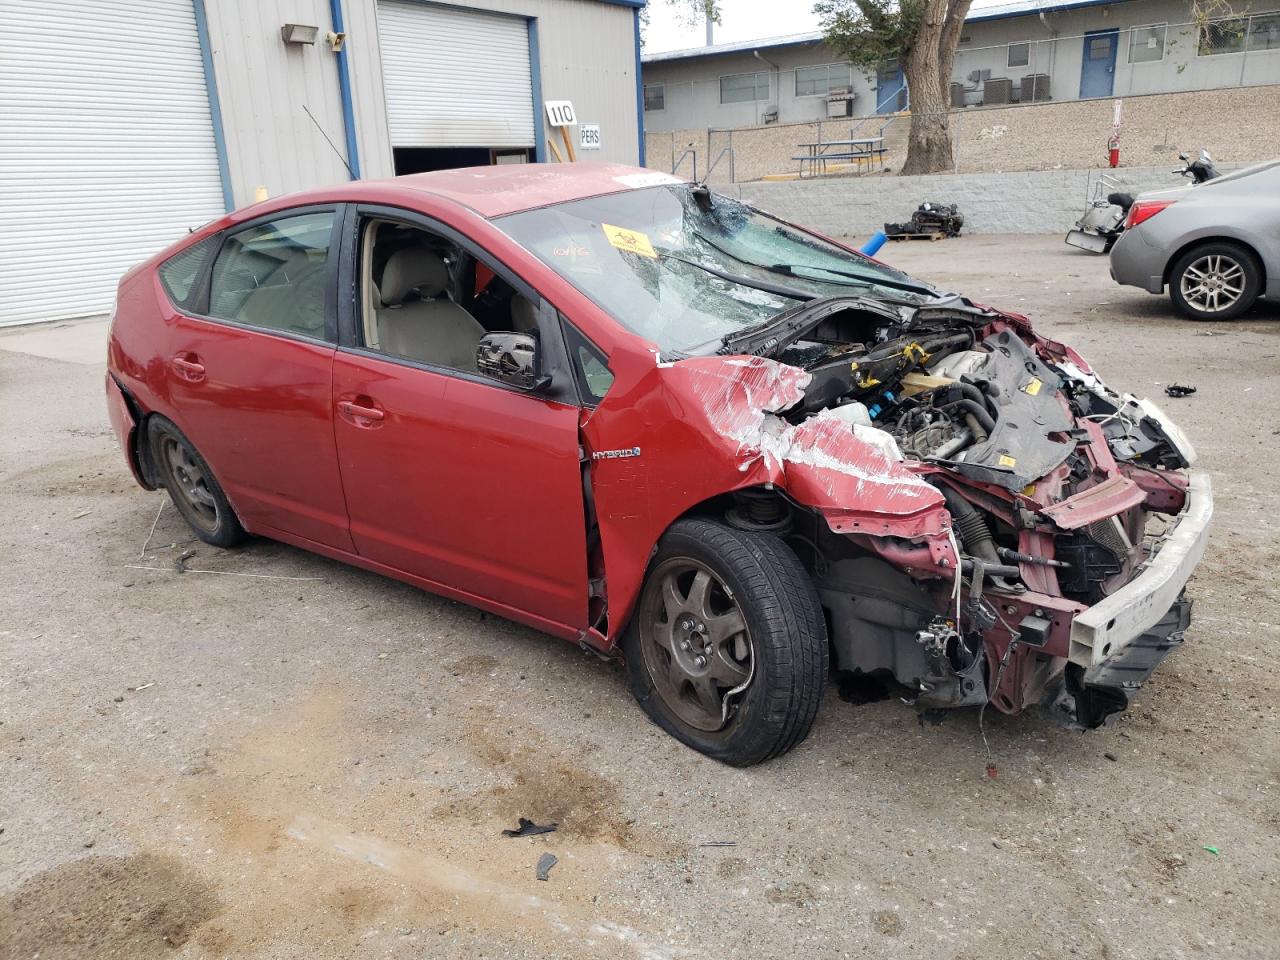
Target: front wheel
(727,650)
(1215,281)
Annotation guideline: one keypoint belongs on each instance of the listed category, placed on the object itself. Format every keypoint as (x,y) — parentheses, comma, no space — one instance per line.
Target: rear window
(178,274)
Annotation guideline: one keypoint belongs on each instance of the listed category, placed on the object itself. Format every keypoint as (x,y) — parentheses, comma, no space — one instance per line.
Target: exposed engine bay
(1055,486)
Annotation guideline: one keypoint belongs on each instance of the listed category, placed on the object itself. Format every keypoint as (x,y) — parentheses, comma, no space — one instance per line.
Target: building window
(1264,32)
(1019,54)
(820,81)
(1146,44)
(1223,36)
(742,87)
(655,97)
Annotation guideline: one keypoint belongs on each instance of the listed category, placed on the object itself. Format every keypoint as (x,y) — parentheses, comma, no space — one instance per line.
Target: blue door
(1098,69)
(891,88)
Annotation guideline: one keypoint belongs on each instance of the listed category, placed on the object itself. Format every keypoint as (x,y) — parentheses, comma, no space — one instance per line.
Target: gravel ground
(205,766)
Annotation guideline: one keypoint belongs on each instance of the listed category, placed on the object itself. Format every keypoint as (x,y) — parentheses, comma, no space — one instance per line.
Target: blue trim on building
(215,107)
(628,3)
(639,90)
(344,90)
(535,74)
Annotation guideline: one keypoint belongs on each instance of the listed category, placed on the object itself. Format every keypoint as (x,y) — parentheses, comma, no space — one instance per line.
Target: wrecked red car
(666,426)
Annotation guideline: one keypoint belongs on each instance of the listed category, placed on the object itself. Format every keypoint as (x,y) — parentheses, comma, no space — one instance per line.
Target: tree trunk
(929,142)
(927,65)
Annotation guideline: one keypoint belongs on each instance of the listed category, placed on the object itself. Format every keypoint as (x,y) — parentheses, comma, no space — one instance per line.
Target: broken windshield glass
(681,273)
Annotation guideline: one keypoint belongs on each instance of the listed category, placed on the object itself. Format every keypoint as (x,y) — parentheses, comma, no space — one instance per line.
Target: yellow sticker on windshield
(631,241)
(1033,387)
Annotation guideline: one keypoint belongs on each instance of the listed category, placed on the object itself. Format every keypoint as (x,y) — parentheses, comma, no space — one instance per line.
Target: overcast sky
(743,20)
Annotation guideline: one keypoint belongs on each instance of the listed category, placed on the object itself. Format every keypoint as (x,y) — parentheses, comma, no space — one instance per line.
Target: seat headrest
(413,268)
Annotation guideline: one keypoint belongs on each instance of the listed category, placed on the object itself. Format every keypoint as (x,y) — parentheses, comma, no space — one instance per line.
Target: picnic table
(857,149)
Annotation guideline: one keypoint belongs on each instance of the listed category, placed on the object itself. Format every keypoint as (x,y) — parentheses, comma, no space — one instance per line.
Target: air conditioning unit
(997,90)
(1035,86)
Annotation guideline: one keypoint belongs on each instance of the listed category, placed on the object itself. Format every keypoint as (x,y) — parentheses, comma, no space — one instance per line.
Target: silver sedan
(1215,245)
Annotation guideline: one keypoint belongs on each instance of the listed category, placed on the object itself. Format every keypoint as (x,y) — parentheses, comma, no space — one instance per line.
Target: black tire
(1194,288)
(784,635)
(195,492)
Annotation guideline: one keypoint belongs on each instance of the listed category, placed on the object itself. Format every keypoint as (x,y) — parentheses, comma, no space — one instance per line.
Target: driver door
(464,482)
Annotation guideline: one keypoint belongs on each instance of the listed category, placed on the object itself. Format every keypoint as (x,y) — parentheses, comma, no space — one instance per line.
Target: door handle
(189,369)
(359,411)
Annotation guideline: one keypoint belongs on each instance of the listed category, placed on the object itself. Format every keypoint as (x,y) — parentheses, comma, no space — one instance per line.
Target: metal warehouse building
(126,122)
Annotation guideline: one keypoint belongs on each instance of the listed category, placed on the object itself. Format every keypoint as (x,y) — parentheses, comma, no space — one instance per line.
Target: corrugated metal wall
(107,150)
(264,85)
(587,55)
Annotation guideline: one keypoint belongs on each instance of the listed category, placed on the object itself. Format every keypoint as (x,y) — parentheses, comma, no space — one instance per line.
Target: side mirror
(512,358)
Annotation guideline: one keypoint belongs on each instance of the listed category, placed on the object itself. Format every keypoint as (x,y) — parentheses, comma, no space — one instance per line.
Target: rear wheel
(192,486)
(727,650)
(1215,281)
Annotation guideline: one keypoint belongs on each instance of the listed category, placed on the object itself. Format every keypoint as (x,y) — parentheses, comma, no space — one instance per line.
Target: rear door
(451,477)
(249,372)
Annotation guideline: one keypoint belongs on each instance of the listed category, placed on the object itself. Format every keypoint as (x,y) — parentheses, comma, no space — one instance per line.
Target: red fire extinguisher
(1113,150)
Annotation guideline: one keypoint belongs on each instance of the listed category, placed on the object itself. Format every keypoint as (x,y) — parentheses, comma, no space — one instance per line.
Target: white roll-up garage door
(106,148)
(454,77)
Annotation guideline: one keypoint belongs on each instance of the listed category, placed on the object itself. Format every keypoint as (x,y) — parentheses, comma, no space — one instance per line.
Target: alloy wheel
(186,480)
(1213,283)
(695,643)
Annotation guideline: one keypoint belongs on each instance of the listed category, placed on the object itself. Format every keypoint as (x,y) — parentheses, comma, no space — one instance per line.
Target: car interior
(427,299)
(273,276)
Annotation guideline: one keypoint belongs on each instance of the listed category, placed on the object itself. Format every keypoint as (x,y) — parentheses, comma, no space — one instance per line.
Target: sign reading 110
(560,113)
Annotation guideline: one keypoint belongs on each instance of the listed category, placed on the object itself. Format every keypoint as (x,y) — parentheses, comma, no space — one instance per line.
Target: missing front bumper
(1085,698)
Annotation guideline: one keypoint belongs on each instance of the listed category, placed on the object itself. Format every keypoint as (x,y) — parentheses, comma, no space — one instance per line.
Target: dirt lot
(205,766)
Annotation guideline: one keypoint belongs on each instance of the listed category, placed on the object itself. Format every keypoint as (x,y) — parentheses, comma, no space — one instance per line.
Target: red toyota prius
(660,423)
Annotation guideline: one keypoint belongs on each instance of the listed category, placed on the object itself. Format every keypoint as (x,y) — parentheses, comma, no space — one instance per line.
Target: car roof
(495,191)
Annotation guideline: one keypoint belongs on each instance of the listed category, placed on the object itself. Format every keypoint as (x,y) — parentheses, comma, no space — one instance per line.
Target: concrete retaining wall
(1027,202)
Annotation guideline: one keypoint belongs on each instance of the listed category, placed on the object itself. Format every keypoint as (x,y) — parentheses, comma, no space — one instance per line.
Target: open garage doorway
(426,159)
(459,86)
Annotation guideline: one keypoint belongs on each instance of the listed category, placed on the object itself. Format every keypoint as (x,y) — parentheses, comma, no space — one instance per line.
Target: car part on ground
(734,451)
(1216,247)
(1107,213)
(930,218)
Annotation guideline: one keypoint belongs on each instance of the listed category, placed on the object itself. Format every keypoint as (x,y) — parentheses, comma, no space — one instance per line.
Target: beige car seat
(432,329)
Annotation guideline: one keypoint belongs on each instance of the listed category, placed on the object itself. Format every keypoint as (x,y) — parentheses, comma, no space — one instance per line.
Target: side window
(274,275)
(178,274)
(589,365)
(425,298)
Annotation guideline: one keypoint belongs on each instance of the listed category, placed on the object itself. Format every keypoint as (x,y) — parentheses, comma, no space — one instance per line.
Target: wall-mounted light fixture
(336,40)
(298,33)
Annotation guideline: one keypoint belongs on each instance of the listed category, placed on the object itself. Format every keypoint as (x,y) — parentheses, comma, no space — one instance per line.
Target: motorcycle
(1104,218)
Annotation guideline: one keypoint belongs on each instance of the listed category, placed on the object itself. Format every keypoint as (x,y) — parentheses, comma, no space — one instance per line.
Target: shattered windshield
(683,267)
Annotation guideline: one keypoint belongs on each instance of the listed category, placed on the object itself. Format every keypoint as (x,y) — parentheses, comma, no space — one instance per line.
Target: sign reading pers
(560,113)
(589,136)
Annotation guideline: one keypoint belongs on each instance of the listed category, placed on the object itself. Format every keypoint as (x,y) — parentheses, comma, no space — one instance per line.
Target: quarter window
(178,274)
(1019,54)
(1146,44)
(274,275)
(655,97)
(589,365)
(821,80)
(1223,36)
(743,87)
